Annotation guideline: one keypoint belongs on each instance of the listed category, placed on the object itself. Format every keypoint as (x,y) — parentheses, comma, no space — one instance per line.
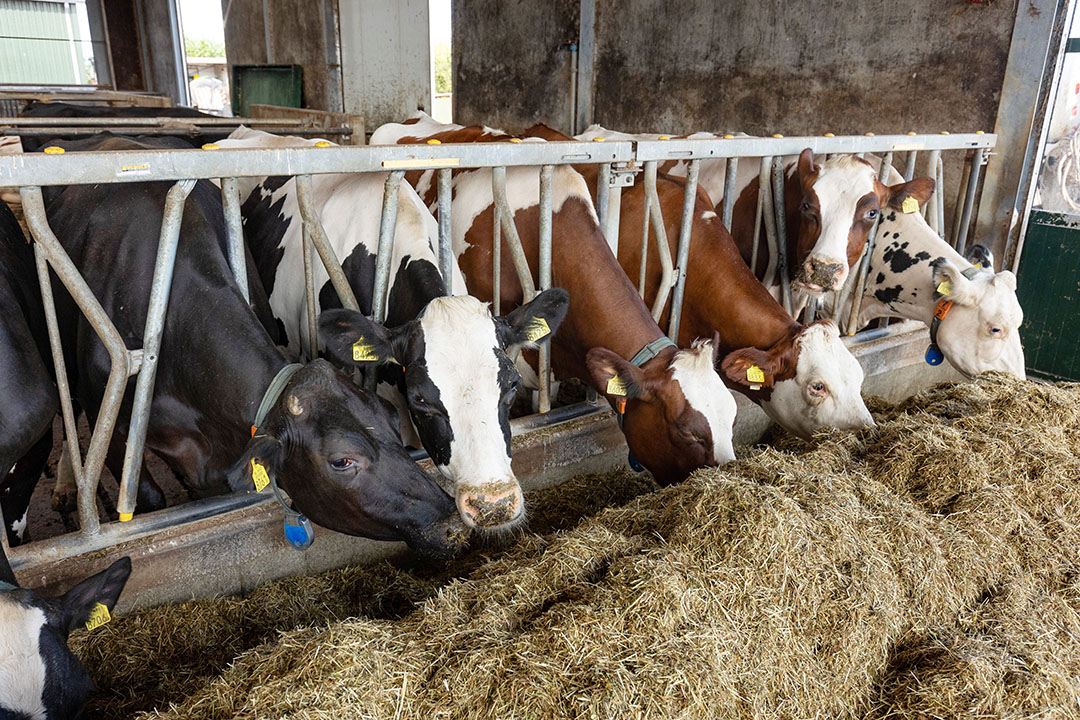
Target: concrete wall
(289,33)
(843,66)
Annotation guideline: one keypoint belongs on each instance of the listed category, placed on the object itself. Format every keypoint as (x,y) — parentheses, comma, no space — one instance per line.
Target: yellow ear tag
(755,374)
(538,328)
(363,352)
(98,616)
(616,386)
(259,476)
(911,205)
(944,288)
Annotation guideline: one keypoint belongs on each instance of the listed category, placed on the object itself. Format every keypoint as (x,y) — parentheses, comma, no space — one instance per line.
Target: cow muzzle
(818,276)
(498,506)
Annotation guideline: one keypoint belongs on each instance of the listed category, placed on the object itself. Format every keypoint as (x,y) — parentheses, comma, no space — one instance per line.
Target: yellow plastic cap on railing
(322,143)
(663,137)
(124,517)
(515,140)
(599,139)
(830,134)
(777,135)
(53,150)
(433,141)
(210,146)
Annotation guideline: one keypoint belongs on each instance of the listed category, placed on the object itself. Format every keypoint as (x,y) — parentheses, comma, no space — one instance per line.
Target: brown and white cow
(811,380)
(678,413)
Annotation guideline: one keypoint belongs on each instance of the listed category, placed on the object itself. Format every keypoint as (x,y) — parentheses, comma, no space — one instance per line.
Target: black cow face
(452,365)
(39,676)
(335,449)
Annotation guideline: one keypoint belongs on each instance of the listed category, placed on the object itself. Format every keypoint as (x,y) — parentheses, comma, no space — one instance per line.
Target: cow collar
(7,587)
(934,356)
(298,529)
(643,356)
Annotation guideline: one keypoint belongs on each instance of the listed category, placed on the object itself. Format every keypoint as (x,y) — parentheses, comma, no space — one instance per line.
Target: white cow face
(452,364)
(982,328)
(39,676)
(811,381)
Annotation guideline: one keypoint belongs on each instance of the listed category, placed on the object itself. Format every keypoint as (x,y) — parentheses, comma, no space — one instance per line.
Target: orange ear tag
(620,404)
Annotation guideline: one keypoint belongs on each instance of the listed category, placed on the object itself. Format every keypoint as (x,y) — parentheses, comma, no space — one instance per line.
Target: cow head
(679,414)
(808,381)
(39,675)
(459,383)
(842,198)
(336,451)
(981,331)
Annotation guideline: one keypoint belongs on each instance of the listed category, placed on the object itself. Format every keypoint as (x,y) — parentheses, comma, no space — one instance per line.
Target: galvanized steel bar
(310,301)
(961,201)
(315,233)
(446,250)
(780,210)
(234,233)
(158,306)
(940,184)
(757,224)
(768,217)
(387,225)
(662,247)
(683,249)
(730,172)
(513,242)
(154,165)
(603,196)
(909,168)
(868,253)
(544,363)
(496,259)
(120,358)
(929,210)
(960,243)
(645,224)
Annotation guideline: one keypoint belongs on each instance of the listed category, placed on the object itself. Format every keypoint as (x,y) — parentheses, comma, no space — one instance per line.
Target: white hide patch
(19,526)
(823,358)
(707,393)
(841,181)
(460,353)
(22,671)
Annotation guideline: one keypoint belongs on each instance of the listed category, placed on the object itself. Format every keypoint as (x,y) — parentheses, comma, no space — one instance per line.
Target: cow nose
(491,507)
(822,273)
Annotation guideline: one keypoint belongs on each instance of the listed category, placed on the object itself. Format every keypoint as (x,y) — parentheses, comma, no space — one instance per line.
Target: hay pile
(929,567)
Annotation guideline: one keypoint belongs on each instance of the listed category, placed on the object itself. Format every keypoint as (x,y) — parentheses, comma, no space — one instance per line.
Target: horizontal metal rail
(109,122)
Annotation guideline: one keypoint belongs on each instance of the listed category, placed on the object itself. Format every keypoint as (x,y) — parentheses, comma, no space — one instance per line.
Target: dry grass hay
(925,568)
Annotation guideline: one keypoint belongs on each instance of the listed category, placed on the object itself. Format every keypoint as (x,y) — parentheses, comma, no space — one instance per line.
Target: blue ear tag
(634,464)
(934,355)
(298,531)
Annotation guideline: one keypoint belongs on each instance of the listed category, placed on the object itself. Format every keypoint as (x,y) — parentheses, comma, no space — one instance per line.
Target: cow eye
(996,331)
(818,389)
(805,207)
(871,214)
(343,463)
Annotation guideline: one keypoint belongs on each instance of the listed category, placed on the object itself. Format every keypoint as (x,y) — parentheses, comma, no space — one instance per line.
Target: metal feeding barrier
(30,172)
(617,161)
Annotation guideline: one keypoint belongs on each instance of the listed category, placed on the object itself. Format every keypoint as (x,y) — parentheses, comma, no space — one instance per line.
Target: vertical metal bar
(868,253)
(496,256)
(446,250)
(509,229)
(757,226)
(646,221)
(603,196)
(67,410)
(731,170)
(930,210)
(313,230)
(940,185)
(768,219)
(119,356)
(781,231)
(662,248)
(909,169)
(544,270)
(961,201)
(310,301)
(234,233)
(960,243)
(683,250)
(168,241)
(387,225)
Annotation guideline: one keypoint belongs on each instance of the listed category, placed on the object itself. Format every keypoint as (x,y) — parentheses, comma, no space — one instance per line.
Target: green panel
(41,42)
(265,84)
(1049,292)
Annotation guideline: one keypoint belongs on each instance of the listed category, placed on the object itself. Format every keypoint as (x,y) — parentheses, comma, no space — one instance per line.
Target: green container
(1049,292)
(266,85)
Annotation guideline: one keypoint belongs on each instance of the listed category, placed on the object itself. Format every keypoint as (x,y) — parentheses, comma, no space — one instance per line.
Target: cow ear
(264,451)
(807,167)
(742,367)
(79,604)
(1006,279)
(528,325)
(352,340)
(615,377)
(919,189)
(950,283)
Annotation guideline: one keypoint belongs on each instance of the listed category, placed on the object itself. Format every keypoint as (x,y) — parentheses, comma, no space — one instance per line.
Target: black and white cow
(332,447)
(28,400)
(447,358)
(40,678)
(913,270)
